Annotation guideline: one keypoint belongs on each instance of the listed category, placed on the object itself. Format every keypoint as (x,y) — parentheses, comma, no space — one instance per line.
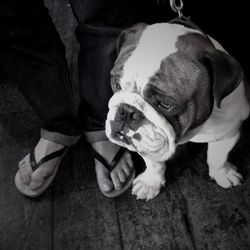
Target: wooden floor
(191,212)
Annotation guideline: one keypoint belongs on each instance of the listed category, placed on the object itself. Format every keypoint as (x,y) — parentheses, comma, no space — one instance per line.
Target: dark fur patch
(185,79)
(137,136)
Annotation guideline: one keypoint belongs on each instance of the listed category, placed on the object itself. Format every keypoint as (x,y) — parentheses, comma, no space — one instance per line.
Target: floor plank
(217,218)
(1,130)
(85,220)
(156,224)
(11,100)
(83,217)
(76,173)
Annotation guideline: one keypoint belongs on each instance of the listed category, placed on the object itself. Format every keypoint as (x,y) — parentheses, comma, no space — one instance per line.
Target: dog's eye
(115,83)
(168,106)
(116,87)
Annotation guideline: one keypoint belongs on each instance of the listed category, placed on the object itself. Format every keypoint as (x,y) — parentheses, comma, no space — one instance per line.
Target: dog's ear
(226,73)
(129,37)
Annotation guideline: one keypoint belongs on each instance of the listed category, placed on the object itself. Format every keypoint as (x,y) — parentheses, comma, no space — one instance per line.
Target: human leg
(32,55)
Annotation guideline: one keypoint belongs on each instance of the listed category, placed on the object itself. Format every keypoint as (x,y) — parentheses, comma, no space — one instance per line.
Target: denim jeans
(33,56)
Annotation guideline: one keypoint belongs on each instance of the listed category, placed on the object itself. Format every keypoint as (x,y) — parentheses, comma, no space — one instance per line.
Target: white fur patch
(222,171)
(225,121)
(156,43)
(148,184)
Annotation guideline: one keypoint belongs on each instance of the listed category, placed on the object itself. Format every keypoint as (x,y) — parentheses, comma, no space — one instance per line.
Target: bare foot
(36,179)
(108,181)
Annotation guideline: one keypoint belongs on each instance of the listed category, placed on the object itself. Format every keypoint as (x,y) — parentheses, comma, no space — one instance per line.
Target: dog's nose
(127,112)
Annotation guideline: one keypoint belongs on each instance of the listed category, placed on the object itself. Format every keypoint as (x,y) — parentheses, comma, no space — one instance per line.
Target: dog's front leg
(148,184)
(222,171)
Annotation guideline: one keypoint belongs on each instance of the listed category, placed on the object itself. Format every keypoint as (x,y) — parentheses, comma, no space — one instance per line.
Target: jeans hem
(96,136)
(59,138)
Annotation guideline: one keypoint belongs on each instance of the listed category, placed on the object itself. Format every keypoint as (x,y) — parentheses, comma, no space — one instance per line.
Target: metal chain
(181,19)
(177,7)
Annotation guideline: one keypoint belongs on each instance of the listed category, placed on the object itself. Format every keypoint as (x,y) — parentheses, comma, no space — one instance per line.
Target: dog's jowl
(172,85)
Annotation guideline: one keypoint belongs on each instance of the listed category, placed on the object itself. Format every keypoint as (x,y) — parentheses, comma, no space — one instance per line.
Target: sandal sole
(32,193)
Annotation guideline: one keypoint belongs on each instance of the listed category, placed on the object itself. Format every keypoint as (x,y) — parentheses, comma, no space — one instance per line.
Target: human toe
(116,180)
(121,175)
(103,179)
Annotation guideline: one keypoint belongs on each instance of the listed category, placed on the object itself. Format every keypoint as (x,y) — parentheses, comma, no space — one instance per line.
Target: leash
(177,7)
(181,19)
(185,21)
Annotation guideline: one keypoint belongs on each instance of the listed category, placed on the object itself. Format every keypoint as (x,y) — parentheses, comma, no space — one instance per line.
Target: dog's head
(166,80)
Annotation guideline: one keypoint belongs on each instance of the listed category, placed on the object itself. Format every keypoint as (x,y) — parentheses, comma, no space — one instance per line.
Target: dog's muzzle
(135,124)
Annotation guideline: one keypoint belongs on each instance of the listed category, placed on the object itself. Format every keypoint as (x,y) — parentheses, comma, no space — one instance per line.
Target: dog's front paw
(227,176)
(147,186)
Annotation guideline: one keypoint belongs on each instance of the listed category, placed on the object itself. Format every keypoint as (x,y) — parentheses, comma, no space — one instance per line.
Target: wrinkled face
(162,91)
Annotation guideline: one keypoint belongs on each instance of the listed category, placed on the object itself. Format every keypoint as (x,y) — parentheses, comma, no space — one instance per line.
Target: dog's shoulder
(226,120)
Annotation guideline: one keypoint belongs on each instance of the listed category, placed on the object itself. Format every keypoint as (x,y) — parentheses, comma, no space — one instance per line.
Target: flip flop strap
(117,157)
(115,160)
(34,165)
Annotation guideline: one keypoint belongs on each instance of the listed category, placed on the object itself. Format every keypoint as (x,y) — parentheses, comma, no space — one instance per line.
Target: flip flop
(24,188)
(110,167)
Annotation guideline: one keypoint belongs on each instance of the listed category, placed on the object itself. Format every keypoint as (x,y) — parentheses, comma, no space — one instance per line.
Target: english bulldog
(173,84)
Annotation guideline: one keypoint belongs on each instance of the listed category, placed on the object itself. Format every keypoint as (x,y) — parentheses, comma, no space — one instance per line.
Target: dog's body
(173,84)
